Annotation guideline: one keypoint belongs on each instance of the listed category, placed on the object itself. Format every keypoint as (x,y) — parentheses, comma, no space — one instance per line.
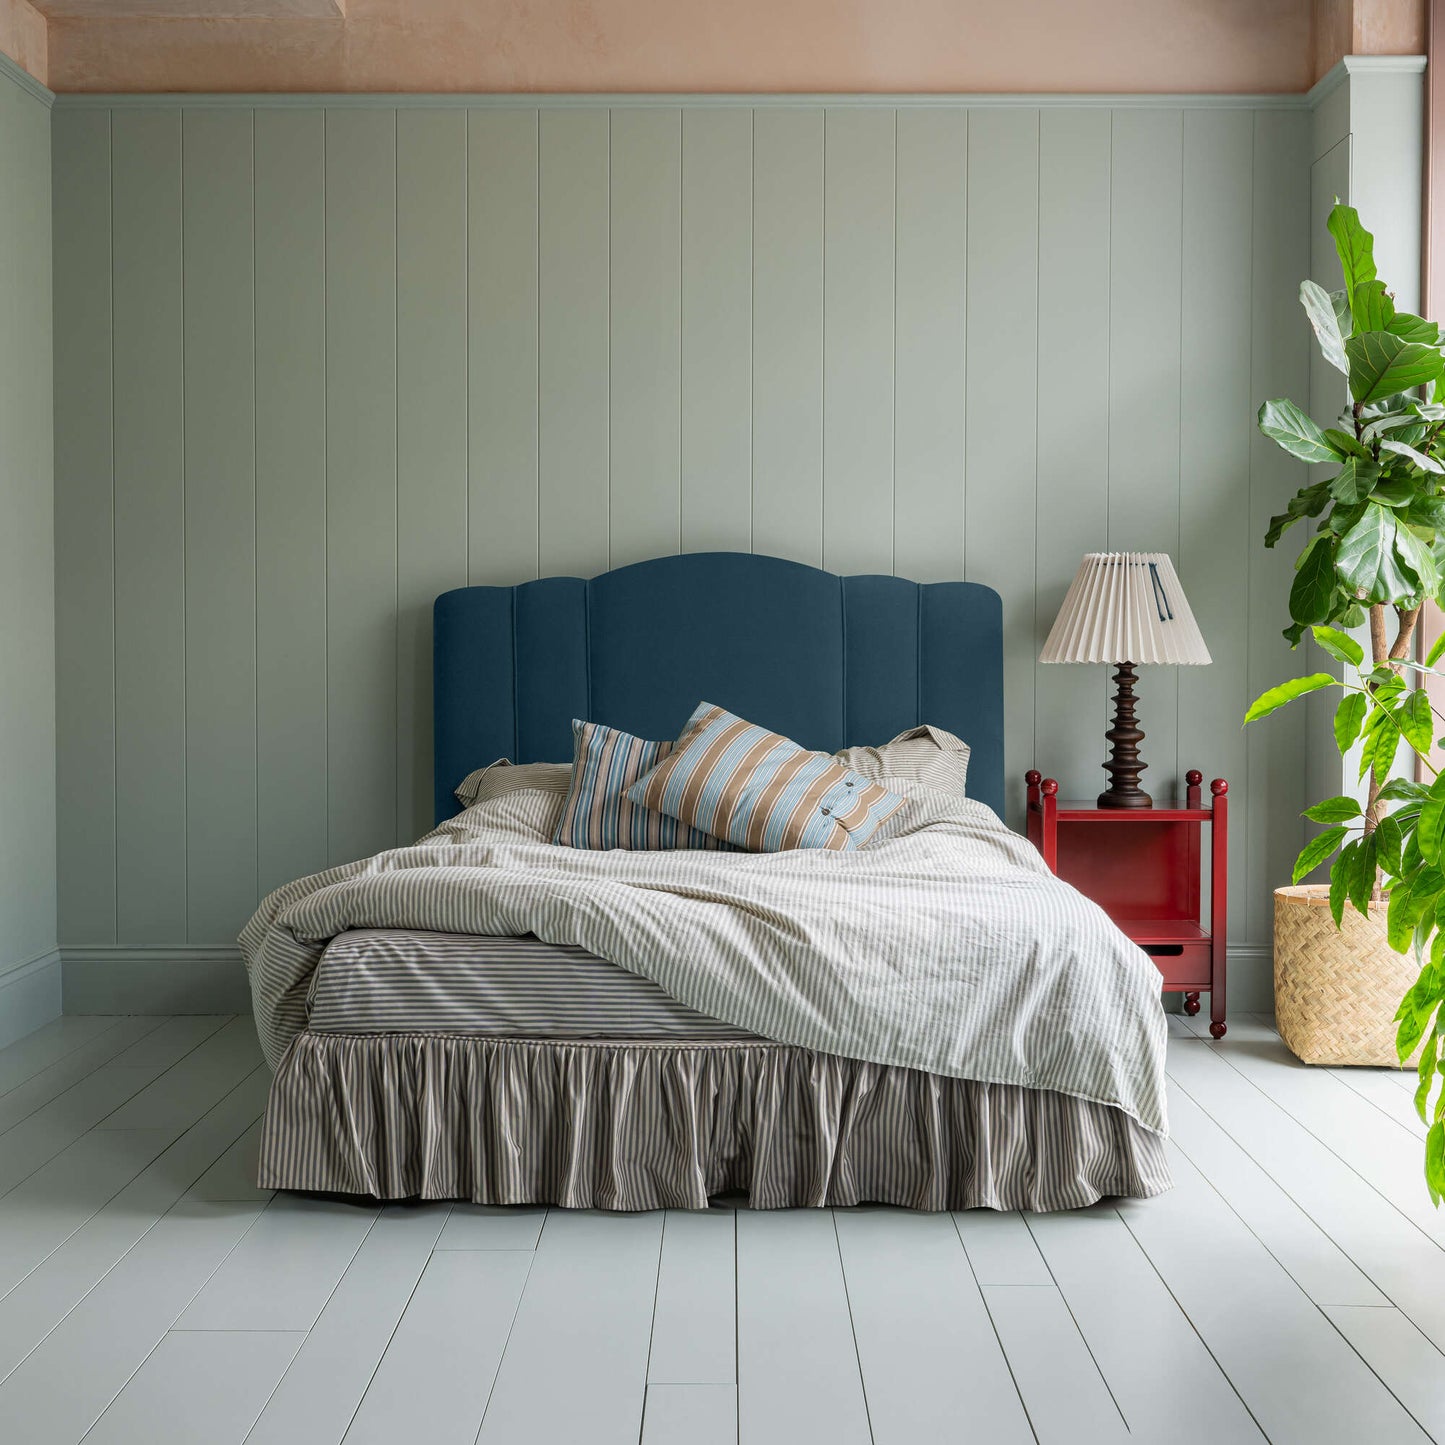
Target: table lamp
(1125,609)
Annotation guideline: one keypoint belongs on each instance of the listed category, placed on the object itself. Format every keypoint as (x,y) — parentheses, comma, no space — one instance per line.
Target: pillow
(925,755)
(760,790)
(504,776)
(599,813)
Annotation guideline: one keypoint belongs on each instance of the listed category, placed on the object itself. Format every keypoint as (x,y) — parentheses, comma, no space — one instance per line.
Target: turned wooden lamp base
(1124,765)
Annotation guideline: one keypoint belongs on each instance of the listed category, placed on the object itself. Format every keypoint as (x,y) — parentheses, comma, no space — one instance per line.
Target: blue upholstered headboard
(830,661)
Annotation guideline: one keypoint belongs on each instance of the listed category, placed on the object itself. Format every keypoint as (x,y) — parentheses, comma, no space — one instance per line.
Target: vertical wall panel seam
(893,375)
(823,359)
(1038,327)
(1179,435)
(963,398)
(681,320)
(185,575)
(752,324)
(326,456)
(1249,883)
(537,264)
(255,536)
(608,409)
(396,470)
(467,351)
(114,711)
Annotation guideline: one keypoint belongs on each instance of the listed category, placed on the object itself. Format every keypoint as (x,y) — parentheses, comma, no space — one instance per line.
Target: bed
(931,1021)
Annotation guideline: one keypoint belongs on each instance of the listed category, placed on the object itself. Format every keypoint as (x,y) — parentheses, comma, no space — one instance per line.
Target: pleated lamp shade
(1125,607)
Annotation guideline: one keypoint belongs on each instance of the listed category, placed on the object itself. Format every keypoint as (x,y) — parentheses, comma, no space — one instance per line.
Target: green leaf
(1345,443)
(1430,831)
(1417,722)
(1283,422)
(1414,328)
(1395,492)
(1408,898)
(1389,843)
(1417,561)
(1435,1162)
(1313,589)
(1354,245)
(1308,502)
(1334,810)
(1366,557)
(1317,850)
(1391,421)
(1340,644)
(1276,697)
(1362,874)
(1341,871)
(1436,649)
(1382,365)
(1349,717)
(1355,480)
(1402,790)
(1326,322)
(1372,306)
(1425,463)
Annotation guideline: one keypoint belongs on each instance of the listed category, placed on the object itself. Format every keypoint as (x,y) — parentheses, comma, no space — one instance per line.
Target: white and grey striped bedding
(667,1126)
(372,981)
(945,946)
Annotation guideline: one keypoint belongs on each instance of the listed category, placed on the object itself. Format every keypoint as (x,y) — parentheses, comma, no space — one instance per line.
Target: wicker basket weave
(1336,989)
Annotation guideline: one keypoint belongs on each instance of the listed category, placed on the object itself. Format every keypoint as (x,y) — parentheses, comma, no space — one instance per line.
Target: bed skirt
(633,1126)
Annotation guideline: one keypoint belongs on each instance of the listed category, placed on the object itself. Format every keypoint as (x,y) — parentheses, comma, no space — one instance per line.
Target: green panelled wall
(29,965)
(361,354)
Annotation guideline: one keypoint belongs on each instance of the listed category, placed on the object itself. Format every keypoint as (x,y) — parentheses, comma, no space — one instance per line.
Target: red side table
(1142,866)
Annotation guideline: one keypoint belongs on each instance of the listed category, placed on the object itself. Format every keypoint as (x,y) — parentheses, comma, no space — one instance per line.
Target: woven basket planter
(1336,989)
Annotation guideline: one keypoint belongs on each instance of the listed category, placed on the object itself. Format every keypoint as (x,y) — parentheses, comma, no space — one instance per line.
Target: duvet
(945,946)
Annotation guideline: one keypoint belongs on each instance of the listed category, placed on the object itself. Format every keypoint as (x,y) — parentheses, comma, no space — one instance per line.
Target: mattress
(372,981)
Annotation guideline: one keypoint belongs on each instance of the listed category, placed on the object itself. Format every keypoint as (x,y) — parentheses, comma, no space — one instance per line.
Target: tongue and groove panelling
(365,352)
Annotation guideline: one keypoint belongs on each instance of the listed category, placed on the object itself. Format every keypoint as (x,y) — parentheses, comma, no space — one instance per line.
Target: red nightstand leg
(1191,1004)
(1217,1029)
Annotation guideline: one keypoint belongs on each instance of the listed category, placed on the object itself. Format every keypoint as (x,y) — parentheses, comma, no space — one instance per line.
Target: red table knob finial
(1219,787)
(1033,777)
(1051,786)
(1194,777)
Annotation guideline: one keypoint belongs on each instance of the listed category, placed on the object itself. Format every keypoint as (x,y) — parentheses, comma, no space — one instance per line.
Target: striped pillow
(598,813)
(928,756)
(760,790)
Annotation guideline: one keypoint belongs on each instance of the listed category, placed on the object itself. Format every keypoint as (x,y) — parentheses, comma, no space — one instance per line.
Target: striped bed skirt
(632,1126)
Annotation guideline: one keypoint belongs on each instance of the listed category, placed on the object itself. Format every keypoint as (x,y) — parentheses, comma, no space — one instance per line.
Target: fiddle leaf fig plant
(1376,555)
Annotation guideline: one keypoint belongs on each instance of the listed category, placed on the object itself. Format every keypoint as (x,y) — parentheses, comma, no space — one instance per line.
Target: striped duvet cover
(945,946)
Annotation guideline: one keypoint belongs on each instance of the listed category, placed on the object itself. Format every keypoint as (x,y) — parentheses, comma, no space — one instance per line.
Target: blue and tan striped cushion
(598,813)
(760,790)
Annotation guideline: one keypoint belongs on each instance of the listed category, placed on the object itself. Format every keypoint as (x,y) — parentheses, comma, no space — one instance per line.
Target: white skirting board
(181,979)
(29,996)
(186,979)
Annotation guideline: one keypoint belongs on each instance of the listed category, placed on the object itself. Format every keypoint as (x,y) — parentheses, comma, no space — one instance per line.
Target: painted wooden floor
(1291,1287)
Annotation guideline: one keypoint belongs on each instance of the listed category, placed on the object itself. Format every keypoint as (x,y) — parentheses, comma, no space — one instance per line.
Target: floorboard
(798,1372)
(1402,1357)
(691,1415)
(194,1387)
(1407,1267)
(694,1321)
(1148,1353)
(43,1299)
(585,1319)
(434,1380)
(930,1357)
(319,1395)
(47,1046)
(1290,1288)
(1067,1401)
(1297,1376)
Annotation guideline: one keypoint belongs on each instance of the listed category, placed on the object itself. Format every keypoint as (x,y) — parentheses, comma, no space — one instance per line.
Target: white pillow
(928,756)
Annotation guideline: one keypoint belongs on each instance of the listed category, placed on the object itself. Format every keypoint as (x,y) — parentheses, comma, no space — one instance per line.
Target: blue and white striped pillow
(598,813)
(760,790)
